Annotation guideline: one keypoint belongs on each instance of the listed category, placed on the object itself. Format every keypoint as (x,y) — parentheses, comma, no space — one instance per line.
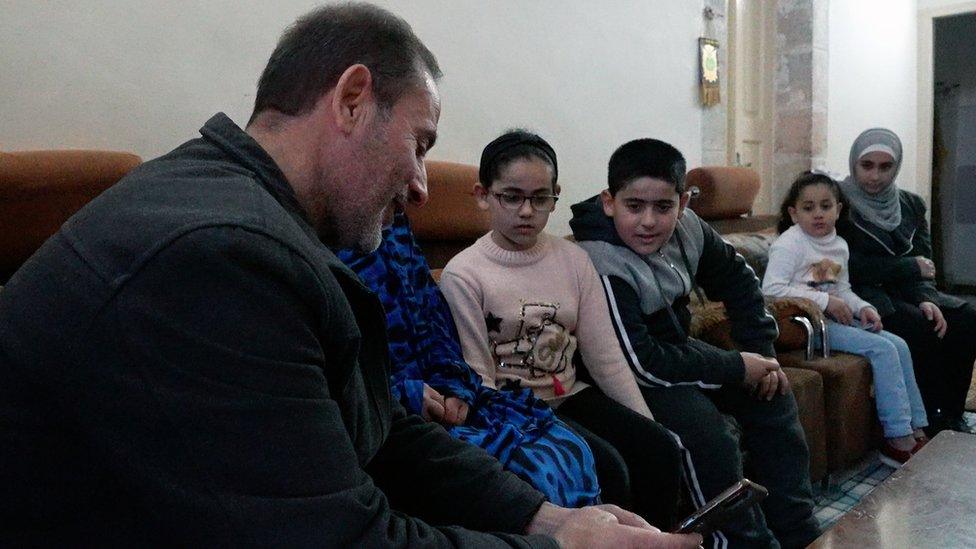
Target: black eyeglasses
(539,202)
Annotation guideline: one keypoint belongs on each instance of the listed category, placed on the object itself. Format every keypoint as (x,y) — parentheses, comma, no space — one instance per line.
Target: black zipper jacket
(883,266)
(185,364)
(649,297)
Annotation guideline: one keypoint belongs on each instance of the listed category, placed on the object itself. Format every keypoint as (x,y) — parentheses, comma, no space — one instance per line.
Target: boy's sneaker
(893,457)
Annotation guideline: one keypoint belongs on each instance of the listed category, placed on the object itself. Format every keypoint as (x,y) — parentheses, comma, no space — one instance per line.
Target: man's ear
(607,199)
(556,189)
(353,97)
(683,199)
(480,196)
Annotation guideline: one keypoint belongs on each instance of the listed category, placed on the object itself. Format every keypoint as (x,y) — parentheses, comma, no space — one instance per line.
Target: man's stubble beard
(341,224)
(347,193)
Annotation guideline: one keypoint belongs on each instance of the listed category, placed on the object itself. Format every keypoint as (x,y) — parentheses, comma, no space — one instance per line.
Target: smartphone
(715,513)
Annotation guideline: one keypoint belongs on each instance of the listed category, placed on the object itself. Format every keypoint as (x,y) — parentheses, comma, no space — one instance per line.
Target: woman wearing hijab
(891,267)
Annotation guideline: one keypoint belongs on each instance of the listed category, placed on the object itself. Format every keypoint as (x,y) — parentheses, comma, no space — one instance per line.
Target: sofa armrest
(801,308)
(710,323)
(782,307)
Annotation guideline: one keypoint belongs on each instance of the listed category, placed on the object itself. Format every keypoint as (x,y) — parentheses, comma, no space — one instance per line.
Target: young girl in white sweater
(525,302)
(809,260)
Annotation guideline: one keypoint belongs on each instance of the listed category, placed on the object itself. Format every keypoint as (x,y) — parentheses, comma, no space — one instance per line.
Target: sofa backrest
(40,190)
(451,220)
(754,247)
(725,198)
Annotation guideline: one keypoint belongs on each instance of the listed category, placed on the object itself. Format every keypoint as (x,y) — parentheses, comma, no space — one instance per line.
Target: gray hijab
(882,209)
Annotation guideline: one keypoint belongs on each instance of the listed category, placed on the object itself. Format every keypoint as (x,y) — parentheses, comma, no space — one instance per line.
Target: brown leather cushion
(40,190)
(807,388)
(451,213)
(848,406)
(726,191)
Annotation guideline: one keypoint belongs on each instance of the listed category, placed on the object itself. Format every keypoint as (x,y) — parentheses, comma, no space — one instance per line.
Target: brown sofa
(39,190)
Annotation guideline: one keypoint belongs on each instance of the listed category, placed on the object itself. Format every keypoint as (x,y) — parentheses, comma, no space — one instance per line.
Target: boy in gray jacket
(651,253)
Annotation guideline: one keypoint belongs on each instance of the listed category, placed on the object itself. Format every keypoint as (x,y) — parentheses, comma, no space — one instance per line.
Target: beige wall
(143,76)
(872,78)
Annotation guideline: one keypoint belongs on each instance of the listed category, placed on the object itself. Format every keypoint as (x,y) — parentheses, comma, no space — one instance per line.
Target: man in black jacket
(186,363)
(652,253)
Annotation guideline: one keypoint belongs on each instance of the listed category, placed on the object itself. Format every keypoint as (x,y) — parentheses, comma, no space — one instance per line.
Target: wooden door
(750,137)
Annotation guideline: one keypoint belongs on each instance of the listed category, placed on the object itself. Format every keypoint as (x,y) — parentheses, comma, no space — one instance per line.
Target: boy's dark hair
(802,181)
(313,53)
(646,158)
(513,145)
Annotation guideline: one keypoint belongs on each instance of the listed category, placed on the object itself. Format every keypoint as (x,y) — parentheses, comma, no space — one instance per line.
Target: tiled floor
(841,497)
(849,487)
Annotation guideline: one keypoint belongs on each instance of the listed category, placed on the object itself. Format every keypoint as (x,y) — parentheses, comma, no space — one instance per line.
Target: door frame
(926,94)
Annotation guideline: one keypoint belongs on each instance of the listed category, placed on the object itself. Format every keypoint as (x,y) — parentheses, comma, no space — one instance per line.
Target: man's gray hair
(314,52)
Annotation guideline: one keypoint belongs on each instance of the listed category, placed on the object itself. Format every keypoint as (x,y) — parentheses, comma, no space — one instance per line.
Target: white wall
(872,78)
(143,76)
(930,4)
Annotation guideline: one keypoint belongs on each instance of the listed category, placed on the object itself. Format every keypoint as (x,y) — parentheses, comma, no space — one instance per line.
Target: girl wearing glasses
(525,301)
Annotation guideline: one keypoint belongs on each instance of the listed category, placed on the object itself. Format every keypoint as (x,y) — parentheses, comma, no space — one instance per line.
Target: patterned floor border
(849,487)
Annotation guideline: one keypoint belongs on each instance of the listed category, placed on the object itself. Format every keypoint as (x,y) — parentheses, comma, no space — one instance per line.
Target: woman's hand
(926,266)
(933,313)
(839,311)
(870,319)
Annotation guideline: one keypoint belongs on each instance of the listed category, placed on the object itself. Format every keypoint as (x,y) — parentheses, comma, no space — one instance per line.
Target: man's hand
(839,311)
(870,319)
(757,367)
(934,313)
(604,526)
(926,266)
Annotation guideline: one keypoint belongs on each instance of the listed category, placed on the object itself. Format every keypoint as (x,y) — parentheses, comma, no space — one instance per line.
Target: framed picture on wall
(708,67)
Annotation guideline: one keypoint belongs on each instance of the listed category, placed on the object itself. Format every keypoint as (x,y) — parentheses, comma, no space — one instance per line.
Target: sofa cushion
(807,386)
(848,406)
(754,247)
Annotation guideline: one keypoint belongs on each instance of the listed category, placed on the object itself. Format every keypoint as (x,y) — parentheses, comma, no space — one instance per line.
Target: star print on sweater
(493,322)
